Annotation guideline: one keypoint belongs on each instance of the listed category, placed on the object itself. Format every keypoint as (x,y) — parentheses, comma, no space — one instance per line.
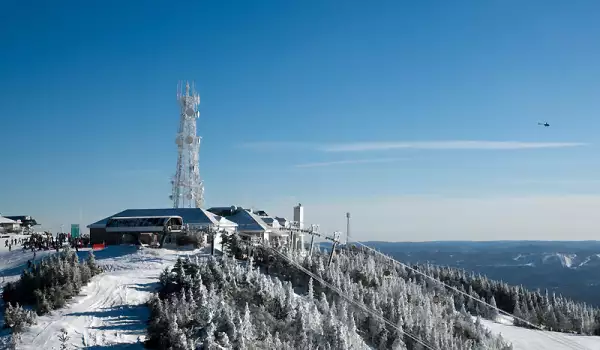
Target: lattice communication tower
(188,188)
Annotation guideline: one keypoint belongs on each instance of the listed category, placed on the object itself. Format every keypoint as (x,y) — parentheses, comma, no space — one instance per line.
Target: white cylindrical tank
(299,215)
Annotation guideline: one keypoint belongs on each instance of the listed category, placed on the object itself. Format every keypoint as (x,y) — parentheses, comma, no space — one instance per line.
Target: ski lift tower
(188,188)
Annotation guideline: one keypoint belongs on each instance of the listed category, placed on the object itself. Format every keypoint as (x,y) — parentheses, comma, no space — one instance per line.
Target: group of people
(46,241)
(12,241)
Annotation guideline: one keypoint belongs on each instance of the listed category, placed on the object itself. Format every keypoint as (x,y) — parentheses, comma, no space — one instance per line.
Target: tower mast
(188,188)
(347,228)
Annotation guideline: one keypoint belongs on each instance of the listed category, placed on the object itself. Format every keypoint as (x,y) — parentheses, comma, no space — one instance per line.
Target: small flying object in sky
(544,124)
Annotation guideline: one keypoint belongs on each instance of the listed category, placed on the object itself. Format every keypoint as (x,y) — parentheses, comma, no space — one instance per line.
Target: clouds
(445,145)
(424,145)
(350,161)
(378,146)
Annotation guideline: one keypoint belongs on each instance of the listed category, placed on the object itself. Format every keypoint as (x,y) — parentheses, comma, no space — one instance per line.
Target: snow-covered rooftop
(249,222)
(270,221)
(192,216)
(4,220)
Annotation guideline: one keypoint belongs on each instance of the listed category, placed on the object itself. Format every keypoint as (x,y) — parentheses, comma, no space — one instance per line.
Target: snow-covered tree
(48,284)
(17,318)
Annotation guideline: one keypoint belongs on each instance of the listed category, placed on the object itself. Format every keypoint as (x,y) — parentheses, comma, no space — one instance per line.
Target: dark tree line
(48,284)
(549,311)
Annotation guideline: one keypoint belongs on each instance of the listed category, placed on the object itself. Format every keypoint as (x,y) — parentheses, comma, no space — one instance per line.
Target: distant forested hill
(570,268)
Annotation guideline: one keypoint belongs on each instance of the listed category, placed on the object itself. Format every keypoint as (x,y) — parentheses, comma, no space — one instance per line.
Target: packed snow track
(110,310)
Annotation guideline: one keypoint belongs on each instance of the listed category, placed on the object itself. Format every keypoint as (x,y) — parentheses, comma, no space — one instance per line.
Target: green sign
(75,230)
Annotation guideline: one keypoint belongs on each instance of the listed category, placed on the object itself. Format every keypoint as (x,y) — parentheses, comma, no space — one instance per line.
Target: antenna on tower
(188,188)
(347,228)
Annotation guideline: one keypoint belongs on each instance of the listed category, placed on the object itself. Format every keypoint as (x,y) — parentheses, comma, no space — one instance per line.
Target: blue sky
(425,108)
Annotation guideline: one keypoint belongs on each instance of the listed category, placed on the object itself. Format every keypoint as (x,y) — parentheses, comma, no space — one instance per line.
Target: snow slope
(109,311)
(12,263)
(528,339)
(566,260)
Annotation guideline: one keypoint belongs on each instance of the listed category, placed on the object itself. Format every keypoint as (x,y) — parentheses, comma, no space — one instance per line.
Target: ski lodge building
(8,225)
(257,224)
(17,223)
(145,225)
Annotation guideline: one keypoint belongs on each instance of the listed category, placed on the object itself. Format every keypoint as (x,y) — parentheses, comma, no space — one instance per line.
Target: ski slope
(529,339)
(109,310)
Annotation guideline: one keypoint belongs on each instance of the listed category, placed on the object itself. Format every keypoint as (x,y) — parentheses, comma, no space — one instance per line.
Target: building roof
(268,220)
(282,221)
(25,219)
(272,222)
(248,221)
(4,220)
(222,220)
(223,211)
(192,216)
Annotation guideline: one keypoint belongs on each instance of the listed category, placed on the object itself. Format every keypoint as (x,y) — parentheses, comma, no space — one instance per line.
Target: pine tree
(165,277)
(311,292)
(17,318)
(42,305)
(63,337)
(398,343)
(91,263)
(248,331)
(493,312)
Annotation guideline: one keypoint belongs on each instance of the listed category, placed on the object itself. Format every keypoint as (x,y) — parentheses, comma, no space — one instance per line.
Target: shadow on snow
(145,287)
(127,319)
(116,346)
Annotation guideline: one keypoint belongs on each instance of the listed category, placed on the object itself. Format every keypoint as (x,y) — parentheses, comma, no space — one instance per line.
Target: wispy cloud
(545,181)
(445,145)
(351,161)
(431,145)
(275,145)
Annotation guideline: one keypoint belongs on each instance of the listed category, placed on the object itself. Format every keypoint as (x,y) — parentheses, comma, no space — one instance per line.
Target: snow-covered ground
(528,339)
(109,311)
(12,262)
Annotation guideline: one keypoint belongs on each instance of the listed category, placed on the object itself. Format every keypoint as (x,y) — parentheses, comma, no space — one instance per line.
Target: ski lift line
(334,238)
(349,299)
(563,341)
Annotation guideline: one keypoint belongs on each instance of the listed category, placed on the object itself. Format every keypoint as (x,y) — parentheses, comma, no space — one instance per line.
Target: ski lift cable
(563,341)
(567,342)
(350,299)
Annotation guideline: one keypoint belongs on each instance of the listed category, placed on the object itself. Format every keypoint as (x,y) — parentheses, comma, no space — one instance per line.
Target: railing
(175,228)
